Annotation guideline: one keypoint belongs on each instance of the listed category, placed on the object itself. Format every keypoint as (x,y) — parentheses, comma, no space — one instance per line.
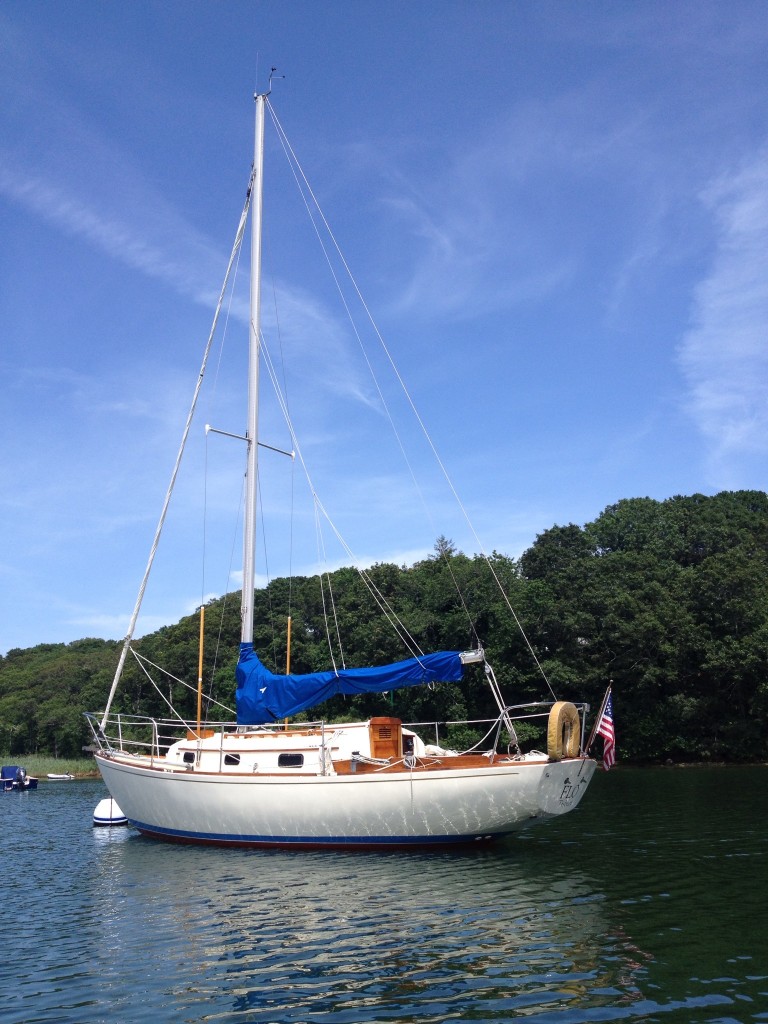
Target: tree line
(665,600)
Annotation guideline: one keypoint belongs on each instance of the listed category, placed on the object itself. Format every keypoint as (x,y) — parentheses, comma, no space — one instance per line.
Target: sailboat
(270,780)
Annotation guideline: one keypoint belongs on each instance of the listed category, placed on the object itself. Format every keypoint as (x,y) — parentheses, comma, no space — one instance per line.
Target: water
(649,903)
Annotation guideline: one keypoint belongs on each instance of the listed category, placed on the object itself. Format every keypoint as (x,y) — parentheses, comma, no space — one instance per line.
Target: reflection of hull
(401,808)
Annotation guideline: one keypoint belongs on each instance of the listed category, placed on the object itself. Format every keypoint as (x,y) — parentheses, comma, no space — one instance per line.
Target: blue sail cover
(264,697)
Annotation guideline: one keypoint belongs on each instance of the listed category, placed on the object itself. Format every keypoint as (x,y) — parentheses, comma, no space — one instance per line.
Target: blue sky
(557,212)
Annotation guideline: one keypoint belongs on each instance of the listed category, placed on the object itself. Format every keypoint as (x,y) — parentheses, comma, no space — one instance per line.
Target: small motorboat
(14,777)
(108,813)
(63,777)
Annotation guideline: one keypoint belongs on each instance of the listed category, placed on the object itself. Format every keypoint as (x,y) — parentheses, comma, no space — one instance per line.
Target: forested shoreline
(665,600)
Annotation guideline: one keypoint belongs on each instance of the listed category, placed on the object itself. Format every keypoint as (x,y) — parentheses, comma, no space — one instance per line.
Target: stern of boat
(563,784)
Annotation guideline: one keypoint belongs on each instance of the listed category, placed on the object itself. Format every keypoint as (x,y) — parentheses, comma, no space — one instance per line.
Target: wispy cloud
(321,347)
(156,240)
(724,356)
(471,243)
(108,231)
(516,205)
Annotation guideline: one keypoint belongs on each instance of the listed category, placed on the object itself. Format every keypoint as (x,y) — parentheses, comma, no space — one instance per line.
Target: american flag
(605,729)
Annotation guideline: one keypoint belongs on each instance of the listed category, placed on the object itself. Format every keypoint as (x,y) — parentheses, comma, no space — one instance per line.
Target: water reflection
(285,935)
(648,903)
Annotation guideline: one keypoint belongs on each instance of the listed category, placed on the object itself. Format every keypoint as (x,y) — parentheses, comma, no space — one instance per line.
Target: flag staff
(599,718)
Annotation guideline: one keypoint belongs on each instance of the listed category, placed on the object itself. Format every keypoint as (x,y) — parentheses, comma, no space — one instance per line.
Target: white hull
(398,809)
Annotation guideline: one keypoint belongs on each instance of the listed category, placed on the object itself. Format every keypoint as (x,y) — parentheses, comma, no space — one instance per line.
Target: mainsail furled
(264,697)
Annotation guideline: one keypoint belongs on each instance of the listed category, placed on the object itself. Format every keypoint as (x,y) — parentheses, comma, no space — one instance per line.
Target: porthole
(231,759)
(290,760)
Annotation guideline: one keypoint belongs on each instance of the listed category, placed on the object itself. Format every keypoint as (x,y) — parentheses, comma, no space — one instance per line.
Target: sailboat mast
(251,472)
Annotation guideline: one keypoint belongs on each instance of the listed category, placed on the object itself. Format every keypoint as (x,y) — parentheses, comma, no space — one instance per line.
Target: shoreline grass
(40,765)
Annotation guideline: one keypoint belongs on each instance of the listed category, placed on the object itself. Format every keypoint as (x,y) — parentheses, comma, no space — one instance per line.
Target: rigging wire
(400,628)
(389,612)
(143,662)
(302,183)
(211,404)
(293,461)
(267,576)
(185,434)
(298,171)
(323,558)
(225,602)
(284,391)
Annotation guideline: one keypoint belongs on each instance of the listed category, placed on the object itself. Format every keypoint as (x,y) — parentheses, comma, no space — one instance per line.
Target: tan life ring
(563,731)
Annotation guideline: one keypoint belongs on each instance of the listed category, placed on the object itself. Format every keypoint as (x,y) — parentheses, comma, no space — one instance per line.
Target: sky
(557,214)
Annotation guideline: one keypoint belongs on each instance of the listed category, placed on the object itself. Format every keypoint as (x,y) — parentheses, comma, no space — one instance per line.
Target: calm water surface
(649,903)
